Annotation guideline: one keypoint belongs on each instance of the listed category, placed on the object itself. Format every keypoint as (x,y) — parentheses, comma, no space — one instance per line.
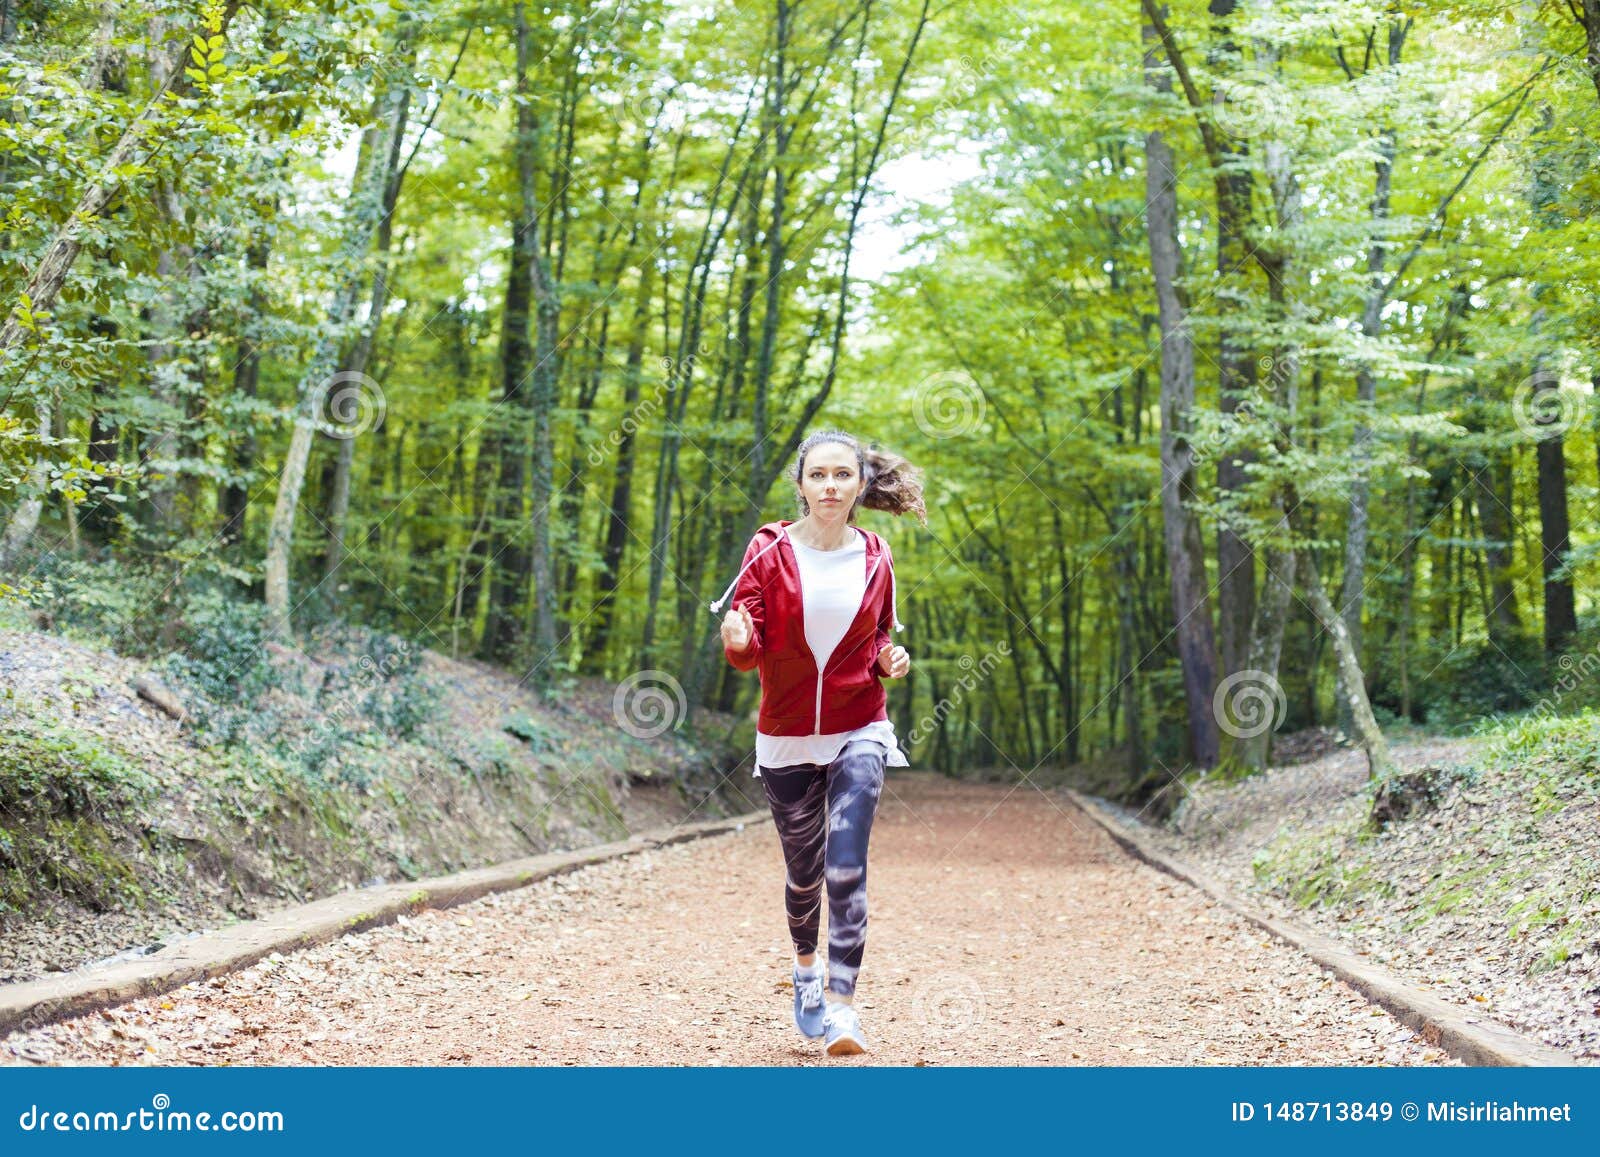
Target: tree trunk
(1380,763)
(161,449)
(1351,594)
(1492,482)
(1560,617)
(1591,40)
(680,369)
(25,518)
(101,517)
(476,564)
(367,205)
(1126,563)
(1270,615)
(354,371)
(619,508)
(234,500)
(1235,367)
(529,372)
(1184,547)
(546,370)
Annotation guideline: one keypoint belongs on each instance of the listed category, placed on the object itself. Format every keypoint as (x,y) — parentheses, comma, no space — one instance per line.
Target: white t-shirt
(832,585)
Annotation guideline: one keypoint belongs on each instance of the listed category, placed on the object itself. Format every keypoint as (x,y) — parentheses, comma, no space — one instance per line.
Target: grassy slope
(320,771)
(1488,892)
(1512,841)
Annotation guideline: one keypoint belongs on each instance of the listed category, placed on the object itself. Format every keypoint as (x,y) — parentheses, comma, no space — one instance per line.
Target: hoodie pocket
(790,692)
(851,679)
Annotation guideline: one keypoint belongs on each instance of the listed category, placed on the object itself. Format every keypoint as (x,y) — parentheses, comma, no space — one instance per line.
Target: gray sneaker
(808,1004)
(842,1026)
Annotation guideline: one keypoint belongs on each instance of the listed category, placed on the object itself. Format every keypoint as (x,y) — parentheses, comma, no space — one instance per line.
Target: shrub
(126,605)
(1482,678)
(220,645)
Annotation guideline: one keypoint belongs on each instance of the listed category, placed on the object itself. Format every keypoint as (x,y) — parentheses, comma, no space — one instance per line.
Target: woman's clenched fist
(738,629)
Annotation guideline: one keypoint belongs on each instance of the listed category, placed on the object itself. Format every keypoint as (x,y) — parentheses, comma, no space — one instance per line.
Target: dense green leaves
(751,221)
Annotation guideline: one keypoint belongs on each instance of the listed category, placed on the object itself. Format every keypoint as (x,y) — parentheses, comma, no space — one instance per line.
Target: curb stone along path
(38,1002)
(1437,1021)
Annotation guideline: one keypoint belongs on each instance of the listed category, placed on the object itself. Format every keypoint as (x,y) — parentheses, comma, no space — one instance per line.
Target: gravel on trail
(1004,928)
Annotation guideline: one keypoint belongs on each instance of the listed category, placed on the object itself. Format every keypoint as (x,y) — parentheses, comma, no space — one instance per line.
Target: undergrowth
(1500,854)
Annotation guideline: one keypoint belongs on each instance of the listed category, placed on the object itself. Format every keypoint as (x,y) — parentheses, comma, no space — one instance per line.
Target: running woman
(813,610)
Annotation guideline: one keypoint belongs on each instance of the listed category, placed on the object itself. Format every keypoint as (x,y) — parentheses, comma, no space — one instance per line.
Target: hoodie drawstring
(894,605)
(716,607)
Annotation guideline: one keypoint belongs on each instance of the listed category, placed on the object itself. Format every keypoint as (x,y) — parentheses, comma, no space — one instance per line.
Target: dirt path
(1004,928)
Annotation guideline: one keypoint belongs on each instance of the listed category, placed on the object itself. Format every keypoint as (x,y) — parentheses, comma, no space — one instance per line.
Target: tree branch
(1444,204)
(428,124)
(1191,91)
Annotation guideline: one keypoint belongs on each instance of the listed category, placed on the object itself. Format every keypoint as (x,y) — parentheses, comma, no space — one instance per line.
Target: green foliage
(381,674)
(1564,745)
(1319,871)
(1503,867)
(330,717)
(492,756)
(221,652)
(44,763)
(997,327)
(530,731)
(124,603)
(1490,677)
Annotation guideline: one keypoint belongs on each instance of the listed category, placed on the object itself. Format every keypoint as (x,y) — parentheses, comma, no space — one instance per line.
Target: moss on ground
(69,805)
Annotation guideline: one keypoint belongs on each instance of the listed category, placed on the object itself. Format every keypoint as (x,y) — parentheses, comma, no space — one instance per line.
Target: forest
(1248,348)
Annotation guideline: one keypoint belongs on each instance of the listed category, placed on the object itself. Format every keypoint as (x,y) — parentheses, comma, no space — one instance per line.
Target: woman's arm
(748,595)
(882,639)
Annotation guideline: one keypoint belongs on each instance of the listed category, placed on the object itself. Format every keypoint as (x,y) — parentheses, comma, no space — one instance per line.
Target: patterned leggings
(847,791)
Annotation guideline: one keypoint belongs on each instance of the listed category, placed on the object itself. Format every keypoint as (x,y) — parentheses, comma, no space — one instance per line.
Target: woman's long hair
(889,481)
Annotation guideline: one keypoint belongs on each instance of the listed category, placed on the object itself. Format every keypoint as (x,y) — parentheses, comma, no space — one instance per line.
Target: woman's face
(830,481)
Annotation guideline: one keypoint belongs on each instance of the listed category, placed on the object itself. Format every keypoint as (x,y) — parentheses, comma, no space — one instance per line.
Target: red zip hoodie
(794,701)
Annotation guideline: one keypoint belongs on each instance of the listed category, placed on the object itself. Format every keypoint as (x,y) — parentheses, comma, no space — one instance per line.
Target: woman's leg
(798,795)
(855,780)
